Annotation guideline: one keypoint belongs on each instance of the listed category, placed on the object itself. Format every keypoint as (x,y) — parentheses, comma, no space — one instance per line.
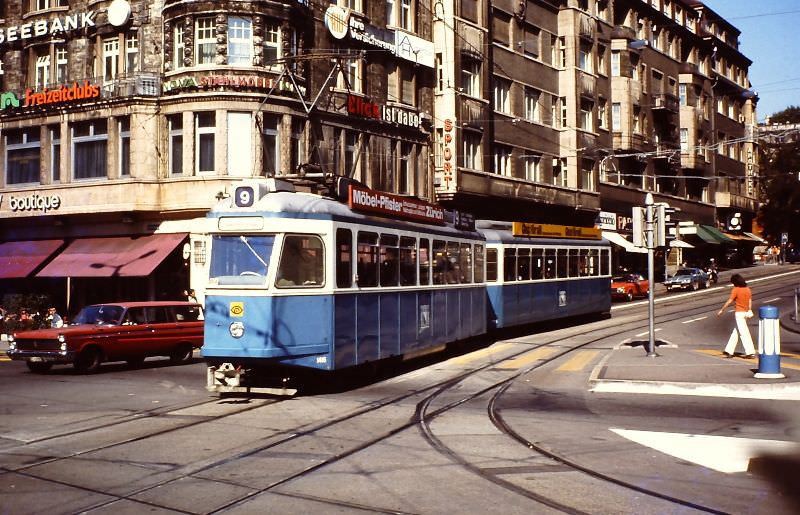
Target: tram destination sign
(364,199)
(534,230)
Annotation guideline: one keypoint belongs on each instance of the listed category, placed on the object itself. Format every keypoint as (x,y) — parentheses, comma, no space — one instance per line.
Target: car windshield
(99,315)
(684,271)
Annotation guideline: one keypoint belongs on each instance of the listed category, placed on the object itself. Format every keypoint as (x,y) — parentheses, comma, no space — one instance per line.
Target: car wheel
(629,296)
(182,353)
(38,367)
(88,360)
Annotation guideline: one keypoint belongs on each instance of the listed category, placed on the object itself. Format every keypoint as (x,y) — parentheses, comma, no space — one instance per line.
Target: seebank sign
(46,28)
(62,95)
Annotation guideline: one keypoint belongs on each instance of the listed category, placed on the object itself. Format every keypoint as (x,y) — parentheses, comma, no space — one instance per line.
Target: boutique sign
(33,202)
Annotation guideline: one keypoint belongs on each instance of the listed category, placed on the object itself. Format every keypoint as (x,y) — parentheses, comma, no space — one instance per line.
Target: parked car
(628,286)
(125,331)
(761,255)
(687,279)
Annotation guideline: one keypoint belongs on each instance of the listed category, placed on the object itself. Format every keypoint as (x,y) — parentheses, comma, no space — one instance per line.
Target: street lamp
(650,240)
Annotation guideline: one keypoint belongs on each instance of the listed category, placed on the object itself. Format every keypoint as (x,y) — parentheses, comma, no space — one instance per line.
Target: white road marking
(726,454)
(771,300)
(694,320)
(648,332)
(772,391)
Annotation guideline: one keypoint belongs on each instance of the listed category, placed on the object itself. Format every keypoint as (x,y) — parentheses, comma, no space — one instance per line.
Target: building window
(240,41)
(55,153)
(587,174)
(272,43)
(615,63)
(682,94)
(470,154)
(354,5)
(399,14)
(502,160)
(601,60)
(110,58)
(532,105)
(131,52)
(562,101)
(350,76)
(298,151)
(533,169)
(587,115)
(602,115)
(175,128)
(22,156)
(585,57)
(205,40)
(124,127)
(530,42)
(616,117)
(684,140)
(401,85)
(42,5)
(61,64)
(562,52)
(240,148)
(205,126)
(89,149)
(470,77)
(350,150)
(406,168)
(439,73)
(270,145)
(178,52)
(502,88)
(560,172)
(42,76)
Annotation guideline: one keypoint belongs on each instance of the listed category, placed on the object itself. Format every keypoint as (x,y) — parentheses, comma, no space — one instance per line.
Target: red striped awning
(20,258)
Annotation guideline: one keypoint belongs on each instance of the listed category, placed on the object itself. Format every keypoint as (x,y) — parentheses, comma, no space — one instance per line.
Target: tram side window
(537,264)
(344,258)
(591,262)
(465,263)
(440,263)
(389,260)
(605,262)
(408,261)
(453,263)
(510,264)
(240,260)
(491,265)
(424,261)
(523,264)
(478,262)
(550,263)
(301,262)
(562,263)
(574,262)
(367,265)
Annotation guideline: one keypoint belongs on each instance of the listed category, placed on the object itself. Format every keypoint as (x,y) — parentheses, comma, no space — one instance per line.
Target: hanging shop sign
(607,221)
(46,28)
(445,174)
(50,96)
(257,82)
(534,230)
(33,202)
(343,24)
(392,114)
(386,204)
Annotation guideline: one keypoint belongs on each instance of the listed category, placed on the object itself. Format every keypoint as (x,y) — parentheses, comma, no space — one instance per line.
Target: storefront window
(298,152)
(89,149)
(22,156)
(270,144)
(240,41)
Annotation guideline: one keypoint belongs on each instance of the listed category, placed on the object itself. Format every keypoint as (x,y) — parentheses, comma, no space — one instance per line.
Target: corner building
(122,122)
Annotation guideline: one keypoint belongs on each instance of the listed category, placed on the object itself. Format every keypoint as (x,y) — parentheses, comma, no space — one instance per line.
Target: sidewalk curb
(768,391)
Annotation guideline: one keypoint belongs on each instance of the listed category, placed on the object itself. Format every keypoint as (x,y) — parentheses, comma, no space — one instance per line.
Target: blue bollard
(769,343)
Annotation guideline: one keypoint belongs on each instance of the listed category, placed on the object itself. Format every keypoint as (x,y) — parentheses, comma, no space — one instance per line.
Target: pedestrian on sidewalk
(742,298)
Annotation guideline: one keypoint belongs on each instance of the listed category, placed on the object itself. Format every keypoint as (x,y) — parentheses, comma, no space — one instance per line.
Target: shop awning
(715,233)
(20,258)
(126,256)
(755,237)
(680,244)
(743,237)
(619,240)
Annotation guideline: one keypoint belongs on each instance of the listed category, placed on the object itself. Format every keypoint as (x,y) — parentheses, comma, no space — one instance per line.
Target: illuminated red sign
(363,199)
(61,95)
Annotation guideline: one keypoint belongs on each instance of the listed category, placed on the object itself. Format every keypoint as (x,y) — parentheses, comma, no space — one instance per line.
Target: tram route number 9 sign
(244,196)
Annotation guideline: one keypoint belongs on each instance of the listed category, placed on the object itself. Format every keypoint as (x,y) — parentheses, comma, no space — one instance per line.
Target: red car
(126,331)
(628,286)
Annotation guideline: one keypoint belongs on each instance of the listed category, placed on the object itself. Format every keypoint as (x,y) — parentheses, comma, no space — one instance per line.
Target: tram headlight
(236,329)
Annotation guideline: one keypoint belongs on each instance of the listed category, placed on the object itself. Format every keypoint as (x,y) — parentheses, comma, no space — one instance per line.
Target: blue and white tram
(300,281)
(535,279)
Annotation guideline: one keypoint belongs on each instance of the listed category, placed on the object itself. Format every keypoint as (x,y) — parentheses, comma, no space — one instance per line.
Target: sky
(771,39)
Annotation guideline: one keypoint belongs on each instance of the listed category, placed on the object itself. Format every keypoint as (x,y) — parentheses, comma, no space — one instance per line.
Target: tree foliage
(779,186)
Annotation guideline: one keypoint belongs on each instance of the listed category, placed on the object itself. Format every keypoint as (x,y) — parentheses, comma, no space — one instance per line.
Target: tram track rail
(422,418)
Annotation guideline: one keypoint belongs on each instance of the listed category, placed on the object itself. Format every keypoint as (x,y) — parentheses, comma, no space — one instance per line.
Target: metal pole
(650,237)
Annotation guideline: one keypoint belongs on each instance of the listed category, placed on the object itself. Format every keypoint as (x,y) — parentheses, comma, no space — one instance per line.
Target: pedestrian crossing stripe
(489,351)
(527,359)
(5,358)
(578,361)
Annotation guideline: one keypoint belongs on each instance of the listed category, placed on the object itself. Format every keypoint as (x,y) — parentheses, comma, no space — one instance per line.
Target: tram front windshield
(240,259)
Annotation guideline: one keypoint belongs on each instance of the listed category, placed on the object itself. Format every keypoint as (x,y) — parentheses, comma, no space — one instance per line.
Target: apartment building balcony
(587,26)
(726,199)
(694,161)
(664,102)
(587,85)
(473,112)
(631,141)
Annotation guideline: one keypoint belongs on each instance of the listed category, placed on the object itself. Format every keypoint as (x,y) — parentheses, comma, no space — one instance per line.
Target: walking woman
(742,298)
